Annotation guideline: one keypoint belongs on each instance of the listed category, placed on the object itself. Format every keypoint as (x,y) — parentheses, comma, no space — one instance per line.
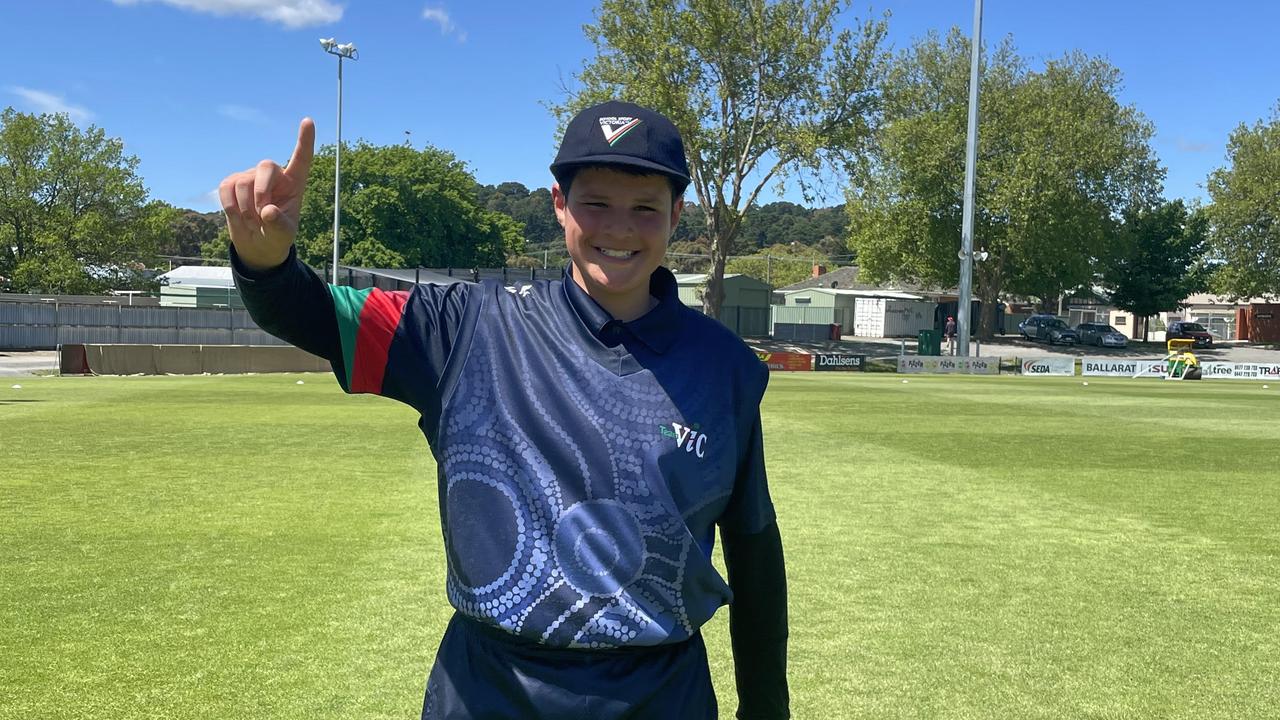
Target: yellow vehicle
(1181,363)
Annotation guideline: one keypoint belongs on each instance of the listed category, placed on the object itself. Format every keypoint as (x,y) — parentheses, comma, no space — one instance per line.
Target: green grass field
(246,547)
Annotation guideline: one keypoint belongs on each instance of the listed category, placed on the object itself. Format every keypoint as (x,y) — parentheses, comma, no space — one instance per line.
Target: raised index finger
(300,162)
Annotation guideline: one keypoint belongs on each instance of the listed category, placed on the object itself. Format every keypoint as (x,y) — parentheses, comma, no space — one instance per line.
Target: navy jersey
(583,463)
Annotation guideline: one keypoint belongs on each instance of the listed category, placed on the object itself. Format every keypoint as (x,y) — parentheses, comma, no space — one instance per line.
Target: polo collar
(657,328)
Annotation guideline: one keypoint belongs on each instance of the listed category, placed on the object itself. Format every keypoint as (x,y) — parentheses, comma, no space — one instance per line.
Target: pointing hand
(263,204)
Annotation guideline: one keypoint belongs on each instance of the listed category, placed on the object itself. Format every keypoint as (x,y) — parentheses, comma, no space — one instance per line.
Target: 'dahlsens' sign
(827,362)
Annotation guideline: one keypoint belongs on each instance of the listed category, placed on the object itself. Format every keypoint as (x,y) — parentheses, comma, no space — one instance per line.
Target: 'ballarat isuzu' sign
(839,362)
(1106,367)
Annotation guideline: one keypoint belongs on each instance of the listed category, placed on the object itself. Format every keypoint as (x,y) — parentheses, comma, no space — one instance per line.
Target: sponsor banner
(949,365)
(1110,367)
(1047,366)
(823,361)
(1240,371)
(786,360)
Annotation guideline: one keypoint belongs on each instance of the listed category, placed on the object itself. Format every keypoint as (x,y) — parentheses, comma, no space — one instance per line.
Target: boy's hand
(263,203)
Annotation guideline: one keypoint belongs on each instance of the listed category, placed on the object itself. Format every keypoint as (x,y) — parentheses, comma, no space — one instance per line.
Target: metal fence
(45,325)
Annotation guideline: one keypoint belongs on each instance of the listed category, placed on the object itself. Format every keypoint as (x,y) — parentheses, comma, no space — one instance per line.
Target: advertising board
(1240,371)
(949,365)
(847,363)
(1049,366)
(786,360)
(1110,367)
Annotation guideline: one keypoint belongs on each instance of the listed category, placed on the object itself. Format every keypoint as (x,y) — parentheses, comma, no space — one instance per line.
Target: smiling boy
(590,433)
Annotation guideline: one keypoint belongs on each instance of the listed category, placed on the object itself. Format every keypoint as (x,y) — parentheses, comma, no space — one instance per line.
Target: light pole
(970,171)
(346,50)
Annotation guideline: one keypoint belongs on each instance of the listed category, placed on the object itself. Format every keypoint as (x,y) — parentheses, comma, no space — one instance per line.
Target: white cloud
(45,102)
(292,14)
(440,16)
(242,113)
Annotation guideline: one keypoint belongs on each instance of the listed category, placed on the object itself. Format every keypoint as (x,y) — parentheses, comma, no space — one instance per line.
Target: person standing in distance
(590,434)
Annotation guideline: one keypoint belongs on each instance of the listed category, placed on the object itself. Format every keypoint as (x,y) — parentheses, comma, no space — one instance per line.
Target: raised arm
(391,343)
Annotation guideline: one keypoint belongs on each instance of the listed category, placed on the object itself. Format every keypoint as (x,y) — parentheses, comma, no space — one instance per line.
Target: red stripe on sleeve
(379,319)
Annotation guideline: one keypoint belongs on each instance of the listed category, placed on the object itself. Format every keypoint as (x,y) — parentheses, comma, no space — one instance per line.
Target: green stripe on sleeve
(347,304)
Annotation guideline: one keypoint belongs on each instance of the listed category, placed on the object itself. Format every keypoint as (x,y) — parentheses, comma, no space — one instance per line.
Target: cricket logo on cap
(616,127)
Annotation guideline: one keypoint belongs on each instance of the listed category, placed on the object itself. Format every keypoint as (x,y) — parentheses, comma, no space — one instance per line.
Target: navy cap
(621,133)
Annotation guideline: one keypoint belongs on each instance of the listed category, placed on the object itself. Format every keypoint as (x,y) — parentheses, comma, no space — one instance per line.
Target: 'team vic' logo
(615,127)
(689,438)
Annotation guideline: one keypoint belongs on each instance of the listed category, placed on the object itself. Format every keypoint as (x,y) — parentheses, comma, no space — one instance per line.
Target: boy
(589,434)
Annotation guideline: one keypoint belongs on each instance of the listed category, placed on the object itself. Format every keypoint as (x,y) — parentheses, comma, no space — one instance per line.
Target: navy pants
(481,673)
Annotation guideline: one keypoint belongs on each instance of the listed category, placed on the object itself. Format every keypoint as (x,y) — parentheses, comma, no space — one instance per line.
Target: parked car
(1190,331)
(1101,334)
(1048,328)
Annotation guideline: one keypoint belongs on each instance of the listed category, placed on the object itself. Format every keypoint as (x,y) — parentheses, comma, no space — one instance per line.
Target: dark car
(1049,328)
(1101,334)
(1185,329)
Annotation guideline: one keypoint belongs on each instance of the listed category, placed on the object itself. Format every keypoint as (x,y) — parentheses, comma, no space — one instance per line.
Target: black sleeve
(758,622)
(292,303)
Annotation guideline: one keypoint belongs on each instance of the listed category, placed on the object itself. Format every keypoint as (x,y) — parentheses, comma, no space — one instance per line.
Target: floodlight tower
(345,50)
(963,321)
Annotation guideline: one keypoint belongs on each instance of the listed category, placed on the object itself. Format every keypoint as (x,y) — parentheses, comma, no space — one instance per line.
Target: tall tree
(1159,260)
(401,207)
(1245,215)
(74,214)
(760,90)
(1060,161)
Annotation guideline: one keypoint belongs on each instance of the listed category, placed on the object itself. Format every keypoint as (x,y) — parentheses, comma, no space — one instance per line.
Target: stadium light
(347,50)
(963,320)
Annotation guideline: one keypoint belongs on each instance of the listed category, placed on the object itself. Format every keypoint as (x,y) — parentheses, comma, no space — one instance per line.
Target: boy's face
(616,227)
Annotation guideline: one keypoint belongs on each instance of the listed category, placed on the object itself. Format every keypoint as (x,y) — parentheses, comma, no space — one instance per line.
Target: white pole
(970,173)
(337,176)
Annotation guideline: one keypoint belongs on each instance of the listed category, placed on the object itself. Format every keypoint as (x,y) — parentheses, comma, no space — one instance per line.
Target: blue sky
(201,88)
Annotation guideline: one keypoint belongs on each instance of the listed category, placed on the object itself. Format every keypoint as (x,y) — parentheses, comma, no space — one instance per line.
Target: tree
(1060,161)
(1159,259)
(760,90)
(190,231)
(688,256)
(531,208)
(693,225)
(779,265)
(74,216)
(1245,214)
(402,207)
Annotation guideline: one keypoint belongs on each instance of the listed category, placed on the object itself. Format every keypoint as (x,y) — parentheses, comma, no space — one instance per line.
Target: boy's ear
(559,200)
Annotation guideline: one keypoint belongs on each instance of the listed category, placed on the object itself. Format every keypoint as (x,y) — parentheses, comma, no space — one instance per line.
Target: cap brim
(623,160)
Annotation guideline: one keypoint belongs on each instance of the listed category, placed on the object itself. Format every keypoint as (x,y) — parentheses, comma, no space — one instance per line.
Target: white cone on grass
(17,387)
